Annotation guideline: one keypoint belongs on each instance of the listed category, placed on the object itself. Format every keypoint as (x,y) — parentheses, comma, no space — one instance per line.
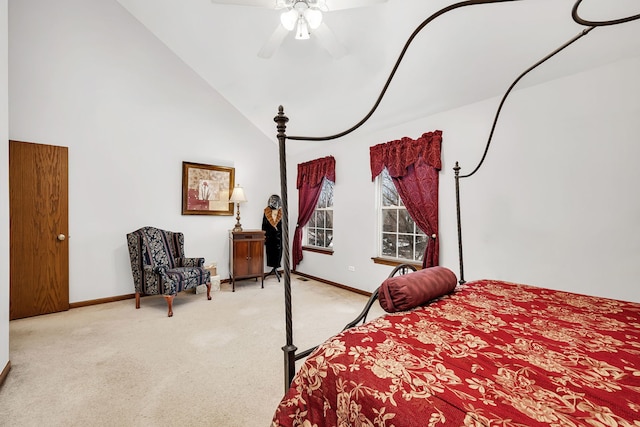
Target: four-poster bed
(489,353)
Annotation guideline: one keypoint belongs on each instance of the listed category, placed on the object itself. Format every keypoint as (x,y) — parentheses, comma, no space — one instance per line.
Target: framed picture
(206,189)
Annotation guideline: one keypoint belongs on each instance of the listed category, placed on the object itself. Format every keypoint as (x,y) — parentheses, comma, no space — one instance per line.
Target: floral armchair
(159,266)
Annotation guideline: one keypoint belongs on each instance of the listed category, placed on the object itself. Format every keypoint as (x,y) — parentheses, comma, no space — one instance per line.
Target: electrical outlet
(352,268)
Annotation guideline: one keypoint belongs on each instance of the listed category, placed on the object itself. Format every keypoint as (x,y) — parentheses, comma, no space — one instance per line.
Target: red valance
(312,173)
(398,155)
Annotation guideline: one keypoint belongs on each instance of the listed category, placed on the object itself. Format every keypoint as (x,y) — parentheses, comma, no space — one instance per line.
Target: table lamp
(237,197)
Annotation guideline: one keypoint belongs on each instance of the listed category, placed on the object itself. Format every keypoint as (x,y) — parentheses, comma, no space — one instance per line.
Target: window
(319,229)
(400,238)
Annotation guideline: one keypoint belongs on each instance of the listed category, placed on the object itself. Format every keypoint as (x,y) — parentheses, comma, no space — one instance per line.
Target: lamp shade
(238,195)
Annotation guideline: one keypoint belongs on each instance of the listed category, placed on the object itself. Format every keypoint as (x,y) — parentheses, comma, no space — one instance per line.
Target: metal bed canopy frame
(289,349)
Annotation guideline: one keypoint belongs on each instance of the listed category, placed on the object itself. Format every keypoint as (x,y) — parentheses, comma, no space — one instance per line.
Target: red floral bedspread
(490,354)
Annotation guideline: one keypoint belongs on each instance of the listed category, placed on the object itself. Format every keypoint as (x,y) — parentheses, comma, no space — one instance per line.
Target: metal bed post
(457,177)
(289,349)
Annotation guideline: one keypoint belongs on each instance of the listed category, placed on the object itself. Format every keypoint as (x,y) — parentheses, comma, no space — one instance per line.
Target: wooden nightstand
(246,255)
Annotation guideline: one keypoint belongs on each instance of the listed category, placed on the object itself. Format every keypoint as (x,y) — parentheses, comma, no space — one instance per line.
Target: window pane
(312,221)
(329,239)
(320,238)
(329,192)
(389,220)
(326,195)
(329,223)
(421,245)
(389,245)
(405,223)
(322,200)
(311,236)
(389,193)
(405,247)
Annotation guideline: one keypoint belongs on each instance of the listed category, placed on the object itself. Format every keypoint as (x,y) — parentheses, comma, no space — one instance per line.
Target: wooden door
(38,244)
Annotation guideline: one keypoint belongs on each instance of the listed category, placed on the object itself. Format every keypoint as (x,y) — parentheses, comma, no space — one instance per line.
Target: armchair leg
(169,299)
(209,291)
(137,299)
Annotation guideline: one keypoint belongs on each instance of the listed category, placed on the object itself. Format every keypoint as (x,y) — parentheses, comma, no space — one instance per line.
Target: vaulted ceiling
(467,55)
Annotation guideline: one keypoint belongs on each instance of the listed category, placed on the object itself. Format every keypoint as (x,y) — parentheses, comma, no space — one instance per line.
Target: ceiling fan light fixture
(302,30)
(289,19)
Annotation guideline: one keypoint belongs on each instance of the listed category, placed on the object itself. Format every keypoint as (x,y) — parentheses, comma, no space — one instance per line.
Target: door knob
(61,237)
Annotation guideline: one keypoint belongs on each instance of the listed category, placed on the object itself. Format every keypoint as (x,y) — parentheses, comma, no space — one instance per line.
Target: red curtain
(309,185)
(413,166)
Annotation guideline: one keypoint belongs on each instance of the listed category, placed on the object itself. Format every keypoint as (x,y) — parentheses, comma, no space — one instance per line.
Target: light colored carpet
(214,363)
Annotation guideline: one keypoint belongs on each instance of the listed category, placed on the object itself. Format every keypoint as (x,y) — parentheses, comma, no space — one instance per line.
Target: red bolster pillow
(401,293)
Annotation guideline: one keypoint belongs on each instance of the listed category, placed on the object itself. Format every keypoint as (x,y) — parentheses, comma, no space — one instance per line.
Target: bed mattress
(491,353)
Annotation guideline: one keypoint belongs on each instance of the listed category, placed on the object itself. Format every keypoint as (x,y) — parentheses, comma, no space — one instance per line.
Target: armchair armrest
(160,280)
(150,280)
(160,269)
(190,262)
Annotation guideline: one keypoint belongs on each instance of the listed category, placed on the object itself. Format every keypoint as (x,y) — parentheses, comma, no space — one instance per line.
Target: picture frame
(206,189)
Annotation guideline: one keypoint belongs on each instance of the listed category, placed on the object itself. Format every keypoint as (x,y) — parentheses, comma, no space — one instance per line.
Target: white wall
(85,74)
(4,190)
(554,205)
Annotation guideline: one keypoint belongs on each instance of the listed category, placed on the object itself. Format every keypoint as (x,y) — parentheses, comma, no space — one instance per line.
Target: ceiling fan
(305,18)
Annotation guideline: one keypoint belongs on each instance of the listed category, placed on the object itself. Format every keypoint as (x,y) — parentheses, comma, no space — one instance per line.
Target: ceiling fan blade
(269,4)
(274,42)
(350,4)
(329,41)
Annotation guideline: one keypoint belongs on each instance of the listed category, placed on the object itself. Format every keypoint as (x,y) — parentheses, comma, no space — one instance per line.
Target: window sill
(395,262)
(318,250)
